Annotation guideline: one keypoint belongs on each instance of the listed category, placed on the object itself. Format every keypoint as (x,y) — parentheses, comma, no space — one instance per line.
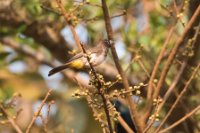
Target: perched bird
(125,114)
(98,55)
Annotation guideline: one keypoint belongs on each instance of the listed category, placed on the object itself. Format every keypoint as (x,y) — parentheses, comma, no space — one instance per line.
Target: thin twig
(43,123)
(39,58)
(164,99)
(178,75)
(158,61)
(179,97)
(99,88)
(192,119)
(68,18)
(124,124)
(88,3)
(180,120)
(10,119)
(167,95)
(140,62)
(178,15)
(47,117)
(50,9)
(174,51)
(36,114)
(119,118)
(153,118)
(132,106)
(97,18)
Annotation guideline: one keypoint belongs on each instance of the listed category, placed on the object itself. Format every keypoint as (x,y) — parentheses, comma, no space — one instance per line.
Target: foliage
(38,35)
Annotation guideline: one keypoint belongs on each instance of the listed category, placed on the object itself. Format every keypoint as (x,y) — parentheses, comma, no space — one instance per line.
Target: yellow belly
(78,64)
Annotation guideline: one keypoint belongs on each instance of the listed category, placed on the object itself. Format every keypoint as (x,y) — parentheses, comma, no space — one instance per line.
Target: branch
(119,118)
(10,119)
(151,85)
(36,114)
(174,51)
(158,61)
(181,120)
(131,105)
(99,88)
(179,97)
(68,18)
(50,38)
(39,58)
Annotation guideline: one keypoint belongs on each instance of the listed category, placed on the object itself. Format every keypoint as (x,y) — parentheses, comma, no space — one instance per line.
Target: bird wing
(77,56)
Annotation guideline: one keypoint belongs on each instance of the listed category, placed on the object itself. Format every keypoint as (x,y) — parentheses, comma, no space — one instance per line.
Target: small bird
(98,54)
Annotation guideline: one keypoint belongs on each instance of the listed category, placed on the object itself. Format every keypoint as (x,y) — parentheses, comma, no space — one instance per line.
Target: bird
(125,114)
(97,55)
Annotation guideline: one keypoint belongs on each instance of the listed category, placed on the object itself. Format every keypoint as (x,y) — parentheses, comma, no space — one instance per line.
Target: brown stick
(10,119)
(178,75)
(151,85)
(119,118)
(140,62)
(99,87)
(174,51)
(68,19)
(158,61)
(131,104)
(36,114)
(167,95)
(179,97)
(180,120)
(124,124)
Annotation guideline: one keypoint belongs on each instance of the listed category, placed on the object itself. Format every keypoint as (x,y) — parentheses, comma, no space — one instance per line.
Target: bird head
(107,43)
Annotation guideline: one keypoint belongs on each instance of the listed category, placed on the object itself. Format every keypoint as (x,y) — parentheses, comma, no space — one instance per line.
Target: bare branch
(179,97)
(181,120)
(174,51)
(10,119)
(36,114)
(131,104)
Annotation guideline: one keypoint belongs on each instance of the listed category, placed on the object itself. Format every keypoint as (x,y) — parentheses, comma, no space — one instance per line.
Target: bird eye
(108,42)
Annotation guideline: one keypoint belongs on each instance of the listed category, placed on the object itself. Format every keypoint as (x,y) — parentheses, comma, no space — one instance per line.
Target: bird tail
(58,69)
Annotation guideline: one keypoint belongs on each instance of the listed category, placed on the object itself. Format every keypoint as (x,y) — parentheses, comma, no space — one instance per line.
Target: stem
(151,85)
(99,86)
(158,61)
(174,51)
(179,97)
(180,120)
(10,119)
(68,19)
(132,106)
(38,112)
